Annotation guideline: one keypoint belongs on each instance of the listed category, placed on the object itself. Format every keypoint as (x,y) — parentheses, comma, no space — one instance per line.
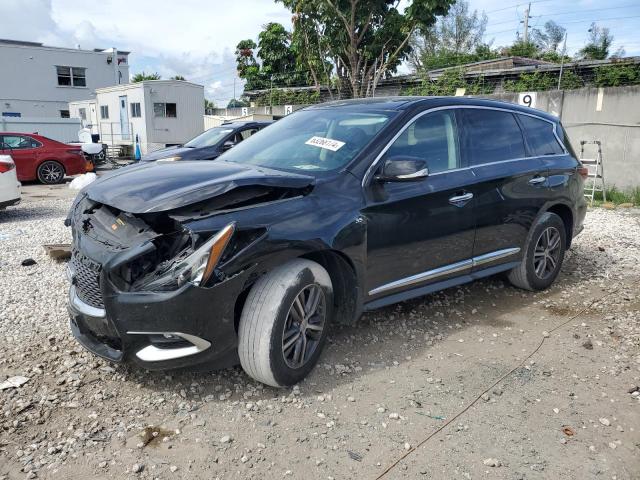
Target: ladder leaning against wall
(595,182)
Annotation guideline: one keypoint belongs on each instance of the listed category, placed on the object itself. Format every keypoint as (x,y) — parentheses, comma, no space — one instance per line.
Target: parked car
(41,158)
(210,144)
(334,210)
(9,185)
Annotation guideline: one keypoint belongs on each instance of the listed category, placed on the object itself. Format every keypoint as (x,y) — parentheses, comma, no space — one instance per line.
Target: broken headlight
(198,267)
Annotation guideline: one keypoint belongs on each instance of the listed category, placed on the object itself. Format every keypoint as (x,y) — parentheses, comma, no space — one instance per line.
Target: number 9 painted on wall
(528,99)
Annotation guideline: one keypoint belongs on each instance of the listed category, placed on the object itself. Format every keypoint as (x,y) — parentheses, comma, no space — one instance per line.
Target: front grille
(86,278)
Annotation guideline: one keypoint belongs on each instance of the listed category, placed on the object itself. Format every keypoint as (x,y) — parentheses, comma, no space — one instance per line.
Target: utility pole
(564,52)
(526,24)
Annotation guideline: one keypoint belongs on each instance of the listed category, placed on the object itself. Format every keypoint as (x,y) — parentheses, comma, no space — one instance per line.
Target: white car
(9,185)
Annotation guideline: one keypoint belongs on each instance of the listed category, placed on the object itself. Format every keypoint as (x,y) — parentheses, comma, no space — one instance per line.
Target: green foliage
(283,96)
(141,77)
(178,77)
(209,104)
(522,49)
(617,74)
(455,39)
(278,65)
(237,103)
(448,83)
(539,81)
(617,196)
(367,39)
(600,41)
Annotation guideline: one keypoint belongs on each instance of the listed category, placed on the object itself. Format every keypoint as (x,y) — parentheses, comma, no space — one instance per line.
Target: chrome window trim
(447,269)
(369,173)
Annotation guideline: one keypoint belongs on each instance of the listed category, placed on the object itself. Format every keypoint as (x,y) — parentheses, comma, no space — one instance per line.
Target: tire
(543,254)
(50,172)
(264,348)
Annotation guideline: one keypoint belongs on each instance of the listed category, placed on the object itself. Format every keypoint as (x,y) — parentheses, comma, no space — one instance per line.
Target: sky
(197,38)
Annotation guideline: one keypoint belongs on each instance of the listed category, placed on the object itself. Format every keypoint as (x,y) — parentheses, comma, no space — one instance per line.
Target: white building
(159,112)
(38,81)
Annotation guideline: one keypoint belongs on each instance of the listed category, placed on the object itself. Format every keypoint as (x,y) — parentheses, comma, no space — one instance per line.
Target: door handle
(460,200)
(537,180)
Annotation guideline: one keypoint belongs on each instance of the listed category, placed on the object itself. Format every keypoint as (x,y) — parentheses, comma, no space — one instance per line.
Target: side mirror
(403,169)
(228,144)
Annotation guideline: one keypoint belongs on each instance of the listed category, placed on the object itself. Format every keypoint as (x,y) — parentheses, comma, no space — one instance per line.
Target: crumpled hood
(161,186)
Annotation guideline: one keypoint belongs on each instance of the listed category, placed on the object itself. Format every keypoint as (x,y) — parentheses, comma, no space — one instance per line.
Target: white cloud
(193,38)
(197,38)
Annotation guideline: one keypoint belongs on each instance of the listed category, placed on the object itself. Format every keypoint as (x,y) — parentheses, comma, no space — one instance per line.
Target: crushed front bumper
(161,330)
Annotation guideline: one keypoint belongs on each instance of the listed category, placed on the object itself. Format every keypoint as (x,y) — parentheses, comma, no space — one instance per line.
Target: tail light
(6,166)
(75,152)
(583,171)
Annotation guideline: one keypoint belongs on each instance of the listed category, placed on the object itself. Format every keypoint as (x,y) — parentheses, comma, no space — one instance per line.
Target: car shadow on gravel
(379,339)
(28,213)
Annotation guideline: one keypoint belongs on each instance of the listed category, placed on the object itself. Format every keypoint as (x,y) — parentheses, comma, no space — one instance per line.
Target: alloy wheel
(304,326)
(51,173)
(546,255)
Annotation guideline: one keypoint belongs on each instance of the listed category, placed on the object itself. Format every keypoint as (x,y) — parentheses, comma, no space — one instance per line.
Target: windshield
(310,140)
(209,138)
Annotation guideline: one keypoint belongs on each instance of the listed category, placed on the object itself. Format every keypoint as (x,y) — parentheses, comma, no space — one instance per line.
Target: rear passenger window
(491,136)
(540,136)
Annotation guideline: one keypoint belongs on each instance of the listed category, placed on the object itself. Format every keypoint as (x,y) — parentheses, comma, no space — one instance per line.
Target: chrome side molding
(151,353)
(446,270)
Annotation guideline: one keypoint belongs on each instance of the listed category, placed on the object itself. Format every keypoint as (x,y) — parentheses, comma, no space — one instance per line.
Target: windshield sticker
(333,145)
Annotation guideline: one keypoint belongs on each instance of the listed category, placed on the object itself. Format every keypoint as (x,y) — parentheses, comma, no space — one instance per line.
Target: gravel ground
(423,369)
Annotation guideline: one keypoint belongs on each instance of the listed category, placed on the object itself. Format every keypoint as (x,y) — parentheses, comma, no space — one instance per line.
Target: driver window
(432,138)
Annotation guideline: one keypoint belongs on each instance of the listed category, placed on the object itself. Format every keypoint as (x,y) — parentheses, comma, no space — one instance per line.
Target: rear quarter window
(540,136)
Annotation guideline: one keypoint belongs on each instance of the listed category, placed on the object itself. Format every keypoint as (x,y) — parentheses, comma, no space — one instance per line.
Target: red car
(40,158)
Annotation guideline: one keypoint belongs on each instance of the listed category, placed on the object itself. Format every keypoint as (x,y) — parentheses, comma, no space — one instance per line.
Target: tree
(237,103)
(521,48)
(248,68)
(549,39)
(208,104)
(312,50)
(278,64)
(455,39)
(141,77)
(367,39)
(178,77)
(599,43)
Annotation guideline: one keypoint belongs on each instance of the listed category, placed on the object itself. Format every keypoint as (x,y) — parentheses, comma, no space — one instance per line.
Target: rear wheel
(543,255)
(50,172)
(284,323)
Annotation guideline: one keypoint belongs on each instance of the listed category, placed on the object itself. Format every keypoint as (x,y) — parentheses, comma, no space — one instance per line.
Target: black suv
(334,210)
(210,144)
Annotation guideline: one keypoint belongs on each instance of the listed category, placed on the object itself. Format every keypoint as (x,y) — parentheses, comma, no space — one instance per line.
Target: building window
(135,110)
(71,76)
(104,112)
(165,110)
(83,113)
(64,114)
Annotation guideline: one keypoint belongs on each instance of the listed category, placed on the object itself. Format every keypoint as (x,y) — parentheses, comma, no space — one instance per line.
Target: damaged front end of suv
(155,281)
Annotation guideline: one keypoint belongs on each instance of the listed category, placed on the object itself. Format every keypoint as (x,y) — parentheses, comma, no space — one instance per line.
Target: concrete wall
(611,115)
(29,80)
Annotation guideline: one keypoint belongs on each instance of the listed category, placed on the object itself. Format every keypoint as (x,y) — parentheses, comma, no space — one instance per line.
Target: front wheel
(284,323)
(543,255)
(50,172)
